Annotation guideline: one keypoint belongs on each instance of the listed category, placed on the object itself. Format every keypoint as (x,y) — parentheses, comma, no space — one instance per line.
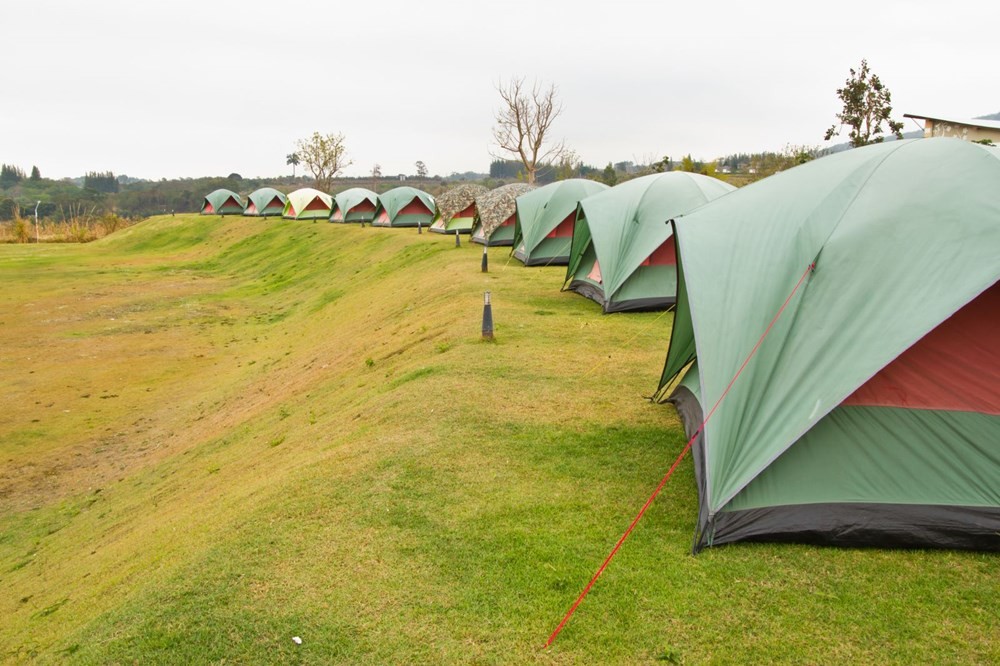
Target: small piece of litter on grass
(296,640)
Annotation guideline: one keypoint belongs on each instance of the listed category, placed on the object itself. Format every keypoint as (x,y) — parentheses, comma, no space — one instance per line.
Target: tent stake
(487,317)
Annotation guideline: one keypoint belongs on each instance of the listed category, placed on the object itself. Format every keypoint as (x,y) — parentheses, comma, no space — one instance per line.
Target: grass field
(219,434)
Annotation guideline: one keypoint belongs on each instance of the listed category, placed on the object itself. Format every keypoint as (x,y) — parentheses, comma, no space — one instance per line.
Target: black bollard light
(458,241)
(487,317)
(486,261)
(420,229)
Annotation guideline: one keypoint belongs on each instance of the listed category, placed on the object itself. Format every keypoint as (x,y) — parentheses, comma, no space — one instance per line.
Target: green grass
(220,434)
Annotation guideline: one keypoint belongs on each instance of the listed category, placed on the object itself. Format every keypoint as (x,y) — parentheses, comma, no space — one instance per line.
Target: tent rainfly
(404,207)
(308,204)
(356,204)
(870,412)
(264,202)
(622,254)
(495,214)
(457,209)
(543,227)
(222,202)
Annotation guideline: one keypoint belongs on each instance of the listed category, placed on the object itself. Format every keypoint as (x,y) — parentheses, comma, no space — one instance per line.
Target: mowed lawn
(220,434)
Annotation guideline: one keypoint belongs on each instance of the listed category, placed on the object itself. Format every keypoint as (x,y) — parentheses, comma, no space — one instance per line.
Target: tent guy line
(687,447)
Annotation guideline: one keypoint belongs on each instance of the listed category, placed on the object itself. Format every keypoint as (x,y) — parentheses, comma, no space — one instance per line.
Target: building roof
(971,122)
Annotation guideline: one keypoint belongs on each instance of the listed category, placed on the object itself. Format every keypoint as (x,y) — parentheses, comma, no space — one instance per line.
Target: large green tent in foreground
(308,204)
(496,212)
(870,414)
(264,202)
(222,202)
(622,254)
(543,228)
(356,204)
(404,207)
(456,209)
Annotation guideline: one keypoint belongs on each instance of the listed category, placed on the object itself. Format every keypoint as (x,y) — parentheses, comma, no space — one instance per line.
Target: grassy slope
(219,434)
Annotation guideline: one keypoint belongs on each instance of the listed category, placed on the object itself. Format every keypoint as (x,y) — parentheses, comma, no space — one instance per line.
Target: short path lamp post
(487,317)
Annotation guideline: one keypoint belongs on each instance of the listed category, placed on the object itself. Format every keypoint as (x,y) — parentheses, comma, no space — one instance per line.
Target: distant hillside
(992,116)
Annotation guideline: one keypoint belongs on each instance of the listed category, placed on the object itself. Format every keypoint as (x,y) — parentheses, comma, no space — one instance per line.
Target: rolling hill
(218,435)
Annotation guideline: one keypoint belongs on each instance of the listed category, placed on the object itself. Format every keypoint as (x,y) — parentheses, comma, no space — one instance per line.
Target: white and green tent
(867,282)
(308,204)
(356,204)
(622,254)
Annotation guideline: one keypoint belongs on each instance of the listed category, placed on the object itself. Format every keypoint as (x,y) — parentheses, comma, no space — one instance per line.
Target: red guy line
(666,477)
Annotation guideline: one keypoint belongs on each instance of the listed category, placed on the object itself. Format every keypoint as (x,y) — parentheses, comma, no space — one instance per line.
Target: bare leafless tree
(523,122)
(325,156)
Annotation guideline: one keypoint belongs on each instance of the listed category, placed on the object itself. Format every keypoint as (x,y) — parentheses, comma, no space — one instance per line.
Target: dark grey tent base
(857,524)
(596,294)
(450,232)
(500,243)
(837,524)
(543,261)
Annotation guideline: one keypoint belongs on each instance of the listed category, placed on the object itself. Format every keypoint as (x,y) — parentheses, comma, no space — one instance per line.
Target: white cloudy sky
(184,88)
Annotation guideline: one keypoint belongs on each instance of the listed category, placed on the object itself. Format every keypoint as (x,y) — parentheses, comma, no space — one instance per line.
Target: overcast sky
(185,88)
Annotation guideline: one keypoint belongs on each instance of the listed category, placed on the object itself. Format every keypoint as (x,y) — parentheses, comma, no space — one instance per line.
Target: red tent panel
(955,367)
(317,204)
(365,206)
(565,228)
(415,207)
(665,255)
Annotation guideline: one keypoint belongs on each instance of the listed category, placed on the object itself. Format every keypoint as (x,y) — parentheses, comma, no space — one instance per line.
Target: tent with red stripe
(622,255)
(543,226)
(870,412)
(404,207)
(355,204)
(264,202)
(222,202)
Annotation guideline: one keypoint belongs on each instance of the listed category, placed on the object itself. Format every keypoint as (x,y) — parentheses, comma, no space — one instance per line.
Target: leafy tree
(421,169)
(666,164)
(609,176)
(35,173)
(100,181)
(762,165)
(523,123)
(234,176)
(867,104)
(325,156)
(293,159)
(10,175)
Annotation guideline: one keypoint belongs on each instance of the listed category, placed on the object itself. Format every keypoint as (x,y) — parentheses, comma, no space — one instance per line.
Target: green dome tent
(496,211)
(356,204)
(308,204)
(870,412)
(404,207)
(222,202)
(543,228)
(265,201)
(622,254)
(457,209)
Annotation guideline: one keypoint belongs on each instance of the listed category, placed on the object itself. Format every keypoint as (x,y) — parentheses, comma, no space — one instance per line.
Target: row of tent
(613,240)
(835,349)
